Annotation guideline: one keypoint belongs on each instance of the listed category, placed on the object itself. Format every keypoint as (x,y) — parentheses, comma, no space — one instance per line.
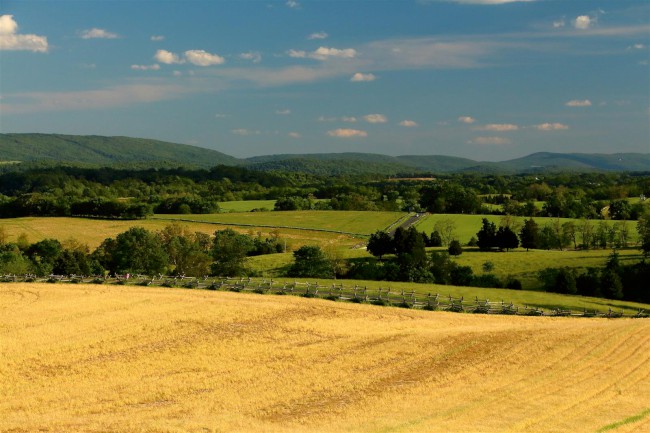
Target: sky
(482,79)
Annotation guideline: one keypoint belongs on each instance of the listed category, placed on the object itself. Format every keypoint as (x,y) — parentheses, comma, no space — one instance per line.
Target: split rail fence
(334,292)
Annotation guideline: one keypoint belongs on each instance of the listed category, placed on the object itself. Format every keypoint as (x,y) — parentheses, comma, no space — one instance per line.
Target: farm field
(357,222)
(246,205)
(93,231)
(468,225)
(134,359)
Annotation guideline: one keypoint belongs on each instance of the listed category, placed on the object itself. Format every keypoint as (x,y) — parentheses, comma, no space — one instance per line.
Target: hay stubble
(114,358)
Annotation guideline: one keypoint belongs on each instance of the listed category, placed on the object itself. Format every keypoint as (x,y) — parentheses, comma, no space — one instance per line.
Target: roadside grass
(468,225)
(357,222)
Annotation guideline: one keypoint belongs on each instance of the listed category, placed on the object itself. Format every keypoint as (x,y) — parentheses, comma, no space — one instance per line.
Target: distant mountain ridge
(108,151)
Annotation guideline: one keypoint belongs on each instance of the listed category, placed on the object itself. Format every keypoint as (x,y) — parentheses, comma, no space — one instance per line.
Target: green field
(351,222)
(246,205)
(468,225)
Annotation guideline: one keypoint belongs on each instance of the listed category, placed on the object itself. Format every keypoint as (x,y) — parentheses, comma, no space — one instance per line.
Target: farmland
(166,360)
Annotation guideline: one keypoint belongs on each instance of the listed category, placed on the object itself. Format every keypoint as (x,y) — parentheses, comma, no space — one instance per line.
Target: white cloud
(499,127)
(11,40)
(253,56)
(637,47)
(583,22)
(578,103)
(293,4)
(153,67)
(157,38)
(490,141)
(245,132)
(318,35)
(375,118)
(408,123)
(551,127)
(324,53)
(349,119)
(466,119)
(203,58)
(283,112)
(358,77)
(559,24)
(96,33)
(347,133)
(294,135)
(167,57)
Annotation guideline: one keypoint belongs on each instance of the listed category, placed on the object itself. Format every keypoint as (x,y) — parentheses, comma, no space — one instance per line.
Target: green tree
(229,251)
(529,234)
(136,251)
(506,239)
(487,236)
(380,244)
(455,248)
(643,228)
(310,261)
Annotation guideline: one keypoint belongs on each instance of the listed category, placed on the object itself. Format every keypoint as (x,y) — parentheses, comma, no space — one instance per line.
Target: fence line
(334,292)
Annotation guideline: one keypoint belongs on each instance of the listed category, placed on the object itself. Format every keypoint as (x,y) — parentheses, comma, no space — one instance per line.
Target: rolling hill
(104,151)
(98,150)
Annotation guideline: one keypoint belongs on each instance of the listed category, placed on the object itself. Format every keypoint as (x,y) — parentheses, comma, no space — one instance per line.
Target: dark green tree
(506,239)
(380,244)
(455,248)
(310,261)
(136,251)
(529,234)
(487,236)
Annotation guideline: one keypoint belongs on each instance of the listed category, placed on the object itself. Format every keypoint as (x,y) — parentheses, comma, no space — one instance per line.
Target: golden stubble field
(93,358)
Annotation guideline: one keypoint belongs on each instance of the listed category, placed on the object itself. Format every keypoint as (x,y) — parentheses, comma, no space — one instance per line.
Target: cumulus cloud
(167,57)
(253,56)
(359,77)
(318,35)
(347,133)
(578,103)
(245,132)
(294,135)
(11,40)
(324,53)
(551,127)
(349,119)
(157,38)
(375,118)
(408,123)
(283,112)
(499,127)
(153,67)
(466,119)
(203,58)
(583,22)
(293,4)
(490,141)
(559,24)
(96,33)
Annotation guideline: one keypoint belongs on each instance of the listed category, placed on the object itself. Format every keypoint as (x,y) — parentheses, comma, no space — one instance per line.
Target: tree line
(131,193)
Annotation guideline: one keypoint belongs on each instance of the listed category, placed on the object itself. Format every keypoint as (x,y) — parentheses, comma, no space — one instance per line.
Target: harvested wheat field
(95,358)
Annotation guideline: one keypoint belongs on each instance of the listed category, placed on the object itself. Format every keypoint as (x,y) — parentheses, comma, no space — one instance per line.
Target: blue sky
(483,79)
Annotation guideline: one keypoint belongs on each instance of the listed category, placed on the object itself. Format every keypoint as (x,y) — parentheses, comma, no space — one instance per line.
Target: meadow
(140,359)
(466,226)
(93,231)
(350,222)
(246,205)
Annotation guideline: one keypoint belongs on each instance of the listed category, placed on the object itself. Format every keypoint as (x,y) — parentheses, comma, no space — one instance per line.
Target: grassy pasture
(140,359)
(358,222)
(468,225)
(93,231)
(246,205)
